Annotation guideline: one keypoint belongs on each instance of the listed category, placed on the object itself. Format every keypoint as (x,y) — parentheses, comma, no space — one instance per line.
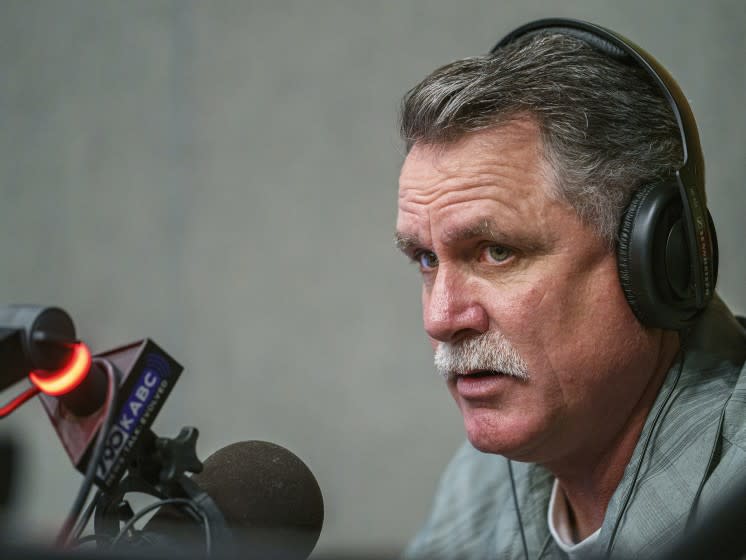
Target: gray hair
(606,128)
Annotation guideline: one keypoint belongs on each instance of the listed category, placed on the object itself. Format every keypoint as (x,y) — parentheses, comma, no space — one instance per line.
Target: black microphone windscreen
(268,496)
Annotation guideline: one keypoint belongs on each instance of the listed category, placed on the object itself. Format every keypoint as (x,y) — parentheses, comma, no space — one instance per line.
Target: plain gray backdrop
(222,176)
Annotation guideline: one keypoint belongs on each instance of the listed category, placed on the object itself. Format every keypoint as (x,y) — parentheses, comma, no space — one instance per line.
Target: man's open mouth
(480,373)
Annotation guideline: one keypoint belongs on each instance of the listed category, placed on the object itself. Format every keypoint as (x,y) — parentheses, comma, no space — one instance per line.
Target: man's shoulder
(735,427)
(726,342)
(731,344)
(715,371)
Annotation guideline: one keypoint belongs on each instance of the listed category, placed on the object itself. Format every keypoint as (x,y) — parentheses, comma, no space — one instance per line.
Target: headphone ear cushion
(624,248)
(653,264)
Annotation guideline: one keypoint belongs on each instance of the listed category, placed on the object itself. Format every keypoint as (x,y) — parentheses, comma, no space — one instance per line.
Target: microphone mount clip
(159,469)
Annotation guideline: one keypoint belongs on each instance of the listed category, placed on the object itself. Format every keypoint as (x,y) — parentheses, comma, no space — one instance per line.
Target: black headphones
(667,252)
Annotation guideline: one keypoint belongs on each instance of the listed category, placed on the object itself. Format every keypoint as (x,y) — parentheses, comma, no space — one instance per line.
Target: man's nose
(450,308)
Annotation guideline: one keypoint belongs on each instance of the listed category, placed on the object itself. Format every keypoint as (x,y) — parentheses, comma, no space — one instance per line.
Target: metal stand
(158,470)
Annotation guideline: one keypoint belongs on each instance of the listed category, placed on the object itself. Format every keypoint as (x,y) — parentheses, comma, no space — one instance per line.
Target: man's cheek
(525,309)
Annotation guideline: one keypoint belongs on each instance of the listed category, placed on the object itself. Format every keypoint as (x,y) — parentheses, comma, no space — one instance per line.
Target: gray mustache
(488,351)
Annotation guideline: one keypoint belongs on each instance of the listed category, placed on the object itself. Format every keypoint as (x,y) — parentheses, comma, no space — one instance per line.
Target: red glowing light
(66,379)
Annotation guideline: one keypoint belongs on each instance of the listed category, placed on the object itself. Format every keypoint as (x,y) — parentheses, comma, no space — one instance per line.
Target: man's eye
(498,254)
(427,260)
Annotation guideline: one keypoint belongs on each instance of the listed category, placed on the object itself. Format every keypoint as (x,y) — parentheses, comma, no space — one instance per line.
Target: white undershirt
(559,526)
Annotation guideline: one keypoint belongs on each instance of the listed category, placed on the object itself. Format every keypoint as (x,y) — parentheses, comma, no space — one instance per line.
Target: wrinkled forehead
(509,157)
(516,142)
(498,175)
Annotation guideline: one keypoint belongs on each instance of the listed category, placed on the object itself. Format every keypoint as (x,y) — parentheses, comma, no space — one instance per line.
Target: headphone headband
(690,176)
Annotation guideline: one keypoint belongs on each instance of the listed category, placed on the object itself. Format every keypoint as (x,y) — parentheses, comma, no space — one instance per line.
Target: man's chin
(491,432)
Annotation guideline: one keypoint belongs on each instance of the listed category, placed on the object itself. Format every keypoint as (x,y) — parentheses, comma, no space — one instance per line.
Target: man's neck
(589,482)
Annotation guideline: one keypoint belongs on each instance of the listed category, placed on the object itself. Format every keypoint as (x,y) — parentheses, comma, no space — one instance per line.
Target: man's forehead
(491,184)
(521,130)
(428,160)
(476,167)
(499,154)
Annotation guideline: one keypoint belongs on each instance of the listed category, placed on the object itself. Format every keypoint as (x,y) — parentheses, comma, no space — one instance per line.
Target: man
(590,432)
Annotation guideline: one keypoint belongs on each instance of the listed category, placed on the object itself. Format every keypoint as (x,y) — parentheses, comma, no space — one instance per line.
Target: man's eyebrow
(405,242)
(485,227)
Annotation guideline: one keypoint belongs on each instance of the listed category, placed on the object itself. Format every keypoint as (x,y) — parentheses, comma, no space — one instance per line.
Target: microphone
(269,498)
(254,495)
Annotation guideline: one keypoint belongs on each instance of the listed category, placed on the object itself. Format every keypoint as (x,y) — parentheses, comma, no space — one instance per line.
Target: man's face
(501,258)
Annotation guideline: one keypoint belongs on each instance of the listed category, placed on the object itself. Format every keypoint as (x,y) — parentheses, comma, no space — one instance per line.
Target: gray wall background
(221,177)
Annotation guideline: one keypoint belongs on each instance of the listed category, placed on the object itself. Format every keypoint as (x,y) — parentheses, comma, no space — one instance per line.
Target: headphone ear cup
(624,267)
(652,258)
